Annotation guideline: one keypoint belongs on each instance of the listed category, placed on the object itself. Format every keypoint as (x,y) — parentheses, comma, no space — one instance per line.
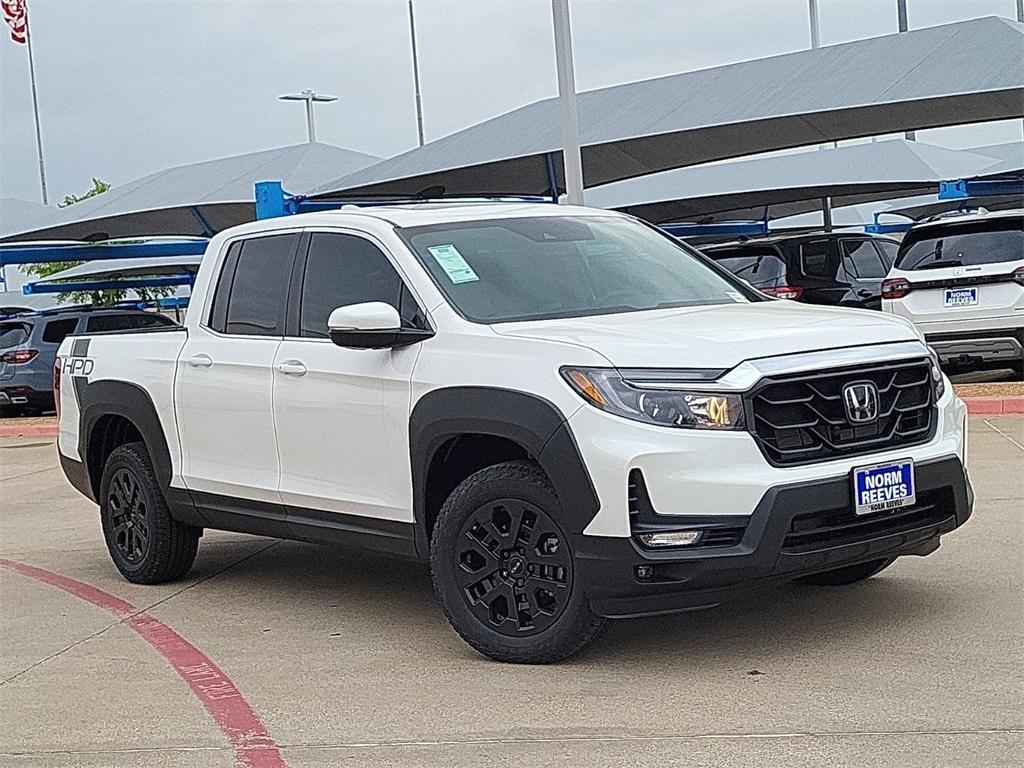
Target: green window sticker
(451,261)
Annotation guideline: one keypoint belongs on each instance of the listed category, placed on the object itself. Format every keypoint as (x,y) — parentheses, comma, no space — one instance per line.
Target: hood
(717,336)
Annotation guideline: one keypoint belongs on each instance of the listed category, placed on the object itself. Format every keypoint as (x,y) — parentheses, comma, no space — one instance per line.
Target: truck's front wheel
(147,545)
(503,568)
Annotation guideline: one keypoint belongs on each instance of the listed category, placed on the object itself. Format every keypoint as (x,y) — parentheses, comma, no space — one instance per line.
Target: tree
(103,298)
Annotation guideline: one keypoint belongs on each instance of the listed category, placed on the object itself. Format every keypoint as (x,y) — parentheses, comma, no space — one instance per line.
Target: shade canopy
(17,214)
(194,199)
(967,72)
(117,269)
(791,184)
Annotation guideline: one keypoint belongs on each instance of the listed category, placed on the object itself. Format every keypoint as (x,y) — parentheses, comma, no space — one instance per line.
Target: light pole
(903,25)
(567,101)
(308,96)
(416,75)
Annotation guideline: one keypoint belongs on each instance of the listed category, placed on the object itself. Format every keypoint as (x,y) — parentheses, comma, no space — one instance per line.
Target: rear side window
(251,297)
(861,259)
(101,323)
(889,250)
(761,267)
(342,270)
(13,334)
(963,245)
(820,259)
(56,331)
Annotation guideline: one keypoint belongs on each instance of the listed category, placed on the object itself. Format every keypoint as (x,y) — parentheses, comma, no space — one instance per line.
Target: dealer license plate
(883,487)
(961,297)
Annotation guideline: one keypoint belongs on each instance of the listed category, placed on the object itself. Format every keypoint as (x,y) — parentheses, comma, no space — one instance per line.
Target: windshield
(502,270)
(13,334)
(962,245)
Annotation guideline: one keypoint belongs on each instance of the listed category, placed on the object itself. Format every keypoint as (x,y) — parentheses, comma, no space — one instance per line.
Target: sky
(128,87)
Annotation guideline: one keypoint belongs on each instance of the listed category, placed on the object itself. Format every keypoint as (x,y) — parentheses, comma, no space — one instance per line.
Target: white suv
(568,413)
(960,280)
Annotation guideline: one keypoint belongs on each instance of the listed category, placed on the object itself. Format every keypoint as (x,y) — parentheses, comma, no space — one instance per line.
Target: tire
(851,574)
(147,545)
(501,521)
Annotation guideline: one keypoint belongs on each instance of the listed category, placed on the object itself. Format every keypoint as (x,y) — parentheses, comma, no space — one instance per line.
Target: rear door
(224,385)
(963,271)
(863,268)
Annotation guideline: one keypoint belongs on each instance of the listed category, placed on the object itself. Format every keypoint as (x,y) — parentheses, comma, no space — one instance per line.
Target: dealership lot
(344,658)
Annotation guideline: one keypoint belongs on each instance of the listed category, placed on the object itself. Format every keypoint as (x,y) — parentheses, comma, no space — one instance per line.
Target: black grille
(801,419)
(836,527)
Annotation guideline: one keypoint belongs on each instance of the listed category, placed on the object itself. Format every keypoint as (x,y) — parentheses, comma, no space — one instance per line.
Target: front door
(224,384)
(343,414)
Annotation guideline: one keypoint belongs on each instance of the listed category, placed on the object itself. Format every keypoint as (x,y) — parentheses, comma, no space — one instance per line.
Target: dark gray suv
(28,350)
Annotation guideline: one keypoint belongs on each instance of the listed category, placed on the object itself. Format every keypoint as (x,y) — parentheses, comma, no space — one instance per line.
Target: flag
(16,16)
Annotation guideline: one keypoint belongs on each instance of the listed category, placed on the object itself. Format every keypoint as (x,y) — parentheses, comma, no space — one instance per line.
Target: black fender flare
(532,422)
(107,397)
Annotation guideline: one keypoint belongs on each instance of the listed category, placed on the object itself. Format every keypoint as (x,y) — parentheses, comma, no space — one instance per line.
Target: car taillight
(19,356)
(895,288)
(56,386)
(1018,276)
(793,292)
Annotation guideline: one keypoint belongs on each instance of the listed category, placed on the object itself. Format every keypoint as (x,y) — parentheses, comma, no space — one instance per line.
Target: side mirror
(371,325)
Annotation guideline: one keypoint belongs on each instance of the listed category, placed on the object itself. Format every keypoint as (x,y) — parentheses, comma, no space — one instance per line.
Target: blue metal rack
(877,227)
(963,189)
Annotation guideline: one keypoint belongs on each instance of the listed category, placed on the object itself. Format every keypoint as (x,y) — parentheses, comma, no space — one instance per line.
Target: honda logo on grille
(861,401)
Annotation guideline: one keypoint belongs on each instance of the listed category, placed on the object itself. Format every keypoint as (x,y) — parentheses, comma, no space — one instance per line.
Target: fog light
(670,538)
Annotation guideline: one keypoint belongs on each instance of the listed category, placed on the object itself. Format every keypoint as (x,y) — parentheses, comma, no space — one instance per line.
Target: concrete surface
(348,661)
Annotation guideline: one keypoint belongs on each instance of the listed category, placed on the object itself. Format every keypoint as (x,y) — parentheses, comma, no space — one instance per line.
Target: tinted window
(860,259)
(560,266)
(761,267)
(889,250)
(57,330)
(963,245)
(342,270)
(260,286)
(101,323)
(819,259)
(219,310)
(13,334)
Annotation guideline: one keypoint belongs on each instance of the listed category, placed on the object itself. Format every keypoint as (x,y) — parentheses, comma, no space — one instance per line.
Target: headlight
(663,397)
(938,380)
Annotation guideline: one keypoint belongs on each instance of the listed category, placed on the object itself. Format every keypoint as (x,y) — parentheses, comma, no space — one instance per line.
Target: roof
(782,236)
(790,184)
(971,218)
(423,214)
(166,202)
(17,214)
(966,72)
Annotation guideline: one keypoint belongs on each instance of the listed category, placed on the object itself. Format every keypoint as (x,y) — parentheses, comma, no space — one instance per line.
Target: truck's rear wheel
(147,545)
(503,568)
(851,574)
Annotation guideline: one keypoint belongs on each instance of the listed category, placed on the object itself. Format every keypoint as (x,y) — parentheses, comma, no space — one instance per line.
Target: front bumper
(782,541)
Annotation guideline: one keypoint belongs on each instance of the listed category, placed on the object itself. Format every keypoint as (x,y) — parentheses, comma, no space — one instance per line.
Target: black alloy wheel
(128,516)
(514,568)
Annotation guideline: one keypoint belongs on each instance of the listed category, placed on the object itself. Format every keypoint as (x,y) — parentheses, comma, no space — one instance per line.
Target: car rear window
(13,334)
(761,266)
(962,245)
(102,323)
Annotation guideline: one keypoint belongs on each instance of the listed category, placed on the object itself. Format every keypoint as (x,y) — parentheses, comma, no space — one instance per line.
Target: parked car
(29,343)
(837,269)
(960,280)
(568,413)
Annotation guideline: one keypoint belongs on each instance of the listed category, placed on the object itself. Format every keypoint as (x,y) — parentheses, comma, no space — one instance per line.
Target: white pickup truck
(569,414)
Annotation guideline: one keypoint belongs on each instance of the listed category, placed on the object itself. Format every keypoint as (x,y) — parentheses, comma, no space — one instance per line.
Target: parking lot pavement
(344,658)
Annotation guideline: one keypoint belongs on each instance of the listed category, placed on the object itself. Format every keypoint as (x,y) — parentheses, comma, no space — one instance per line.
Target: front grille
(801,419)
(836,527)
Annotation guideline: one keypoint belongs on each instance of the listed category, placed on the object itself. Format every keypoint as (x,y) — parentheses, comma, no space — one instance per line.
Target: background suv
(28,350)
(818,268)
(960,280)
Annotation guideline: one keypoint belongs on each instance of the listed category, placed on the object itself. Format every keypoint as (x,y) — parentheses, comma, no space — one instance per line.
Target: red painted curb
(33,430)
(995,406)
(245,731)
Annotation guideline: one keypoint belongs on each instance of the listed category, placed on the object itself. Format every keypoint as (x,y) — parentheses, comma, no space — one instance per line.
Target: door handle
(864,293)
(200,361)
(291,368)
